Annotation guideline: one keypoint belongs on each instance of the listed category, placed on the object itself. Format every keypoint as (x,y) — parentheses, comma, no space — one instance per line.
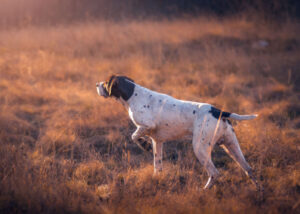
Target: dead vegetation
(65,150)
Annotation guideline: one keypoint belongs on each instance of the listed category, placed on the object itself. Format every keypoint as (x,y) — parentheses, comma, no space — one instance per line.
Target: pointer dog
(164,118)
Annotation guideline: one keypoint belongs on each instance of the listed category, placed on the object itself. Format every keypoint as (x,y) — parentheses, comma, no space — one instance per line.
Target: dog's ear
(110,84)
(121,86)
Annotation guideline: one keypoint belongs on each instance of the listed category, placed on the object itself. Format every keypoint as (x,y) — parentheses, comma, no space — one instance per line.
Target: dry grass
(66,150)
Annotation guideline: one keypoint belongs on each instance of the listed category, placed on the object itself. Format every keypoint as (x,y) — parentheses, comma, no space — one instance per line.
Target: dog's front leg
(157,156)
(139,133)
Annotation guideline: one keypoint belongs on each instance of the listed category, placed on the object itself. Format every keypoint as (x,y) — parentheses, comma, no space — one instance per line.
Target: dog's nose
(97,84)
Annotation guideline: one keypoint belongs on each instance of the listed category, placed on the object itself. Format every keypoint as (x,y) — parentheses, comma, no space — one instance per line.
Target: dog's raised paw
(147,146)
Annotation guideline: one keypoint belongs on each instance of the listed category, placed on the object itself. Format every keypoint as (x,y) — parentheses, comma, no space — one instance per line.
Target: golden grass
(65,150)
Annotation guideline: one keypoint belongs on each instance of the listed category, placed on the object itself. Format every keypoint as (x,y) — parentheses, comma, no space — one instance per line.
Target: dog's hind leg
(202,147)
(231,146)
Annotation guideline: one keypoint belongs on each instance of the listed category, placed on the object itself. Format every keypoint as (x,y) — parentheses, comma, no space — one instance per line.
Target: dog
(164,118)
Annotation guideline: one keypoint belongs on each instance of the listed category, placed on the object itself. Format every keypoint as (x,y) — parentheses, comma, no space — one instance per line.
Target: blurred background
(47,12)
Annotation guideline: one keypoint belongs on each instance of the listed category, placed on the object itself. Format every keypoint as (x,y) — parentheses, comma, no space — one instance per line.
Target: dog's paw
(145,144)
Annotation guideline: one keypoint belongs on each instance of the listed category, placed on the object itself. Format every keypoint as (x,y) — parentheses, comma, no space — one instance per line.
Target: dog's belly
(173,124)
(173,131)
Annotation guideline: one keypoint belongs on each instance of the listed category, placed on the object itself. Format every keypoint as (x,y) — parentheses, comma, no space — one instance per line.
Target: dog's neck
(127,103)
(123,102)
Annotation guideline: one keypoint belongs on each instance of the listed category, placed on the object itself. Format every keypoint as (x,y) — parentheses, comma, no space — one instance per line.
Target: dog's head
(116,86)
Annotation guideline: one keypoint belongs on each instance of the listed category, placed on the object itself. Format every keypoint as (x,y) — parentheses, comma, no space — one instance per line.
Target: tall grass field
(64,149)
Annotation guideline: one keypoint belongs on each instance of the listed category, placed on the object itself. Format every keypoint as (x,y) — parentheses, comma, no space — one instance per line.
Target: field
(64,149)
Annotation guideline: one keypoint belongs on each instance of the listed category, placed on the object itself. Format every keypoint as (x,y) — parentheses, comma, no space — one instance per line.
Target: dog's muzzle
(101,90)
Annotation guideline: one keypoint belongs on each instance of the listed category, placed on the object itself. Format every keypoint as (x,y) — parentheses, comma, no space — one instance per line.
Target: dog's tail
(242,117)
(217,113)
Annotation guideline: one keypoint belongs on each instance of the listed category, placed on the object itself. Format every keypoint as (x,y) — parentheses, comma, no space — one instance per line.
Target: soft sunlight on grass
(65,149)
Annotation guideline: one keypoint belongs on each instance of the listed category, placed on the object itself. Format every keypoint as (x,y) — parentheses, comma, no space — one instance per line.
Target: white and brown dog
(164,118)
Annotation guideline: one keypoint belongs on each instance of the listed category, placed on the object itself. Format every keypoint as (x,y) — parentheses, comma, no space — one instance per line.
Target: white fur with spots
(164,118)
